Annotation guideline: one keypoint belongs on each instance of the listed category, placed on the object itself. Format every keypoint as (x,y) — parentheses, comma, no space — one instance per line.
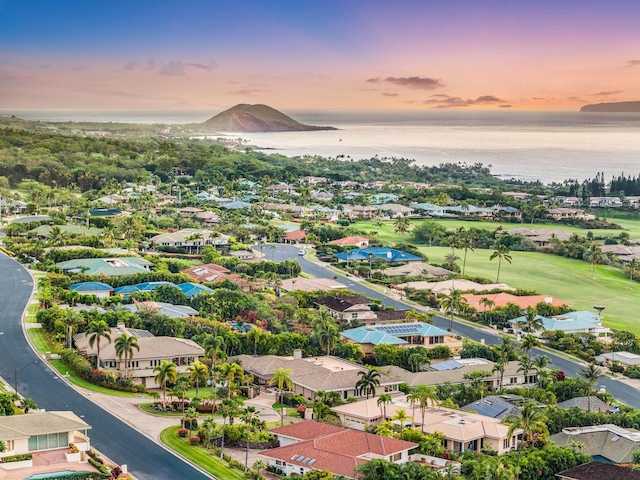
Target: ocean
(530,145)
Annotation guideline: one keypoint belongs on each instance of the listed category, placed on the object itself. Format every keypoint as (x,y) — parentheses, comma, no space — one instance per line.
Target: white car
(301,252)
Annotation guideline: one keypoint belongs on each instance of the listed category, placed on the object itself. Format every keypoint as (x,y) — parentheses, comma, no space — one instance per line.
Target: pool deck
(50,461)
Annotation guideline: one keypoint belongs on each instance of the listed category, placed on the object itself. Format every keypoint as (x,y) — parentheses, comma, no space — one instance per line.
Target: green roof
(111,267)
(44,230)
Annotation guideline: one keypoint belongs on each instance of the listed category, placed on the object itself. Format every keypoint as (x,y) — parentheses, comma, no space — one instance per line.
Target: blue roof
(573,321)
(191,289)
(489,409)
(85,286)
(236,204)
(151,286)
(392,334)
(126,289)
(386,254)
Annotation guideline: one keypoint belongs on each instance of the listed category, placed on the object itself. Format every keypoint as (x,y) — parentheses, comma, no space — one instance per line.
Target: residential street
(625,392)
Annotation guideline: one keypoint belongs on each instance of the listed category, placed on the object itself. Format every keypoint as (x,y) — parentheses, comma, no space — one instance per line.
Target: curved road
(621,391)
(118,441)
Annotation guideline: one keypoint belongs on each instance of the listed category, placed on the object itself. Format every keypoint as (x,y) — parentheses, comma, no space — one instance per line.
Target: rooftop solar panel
(448,365)
(492,410)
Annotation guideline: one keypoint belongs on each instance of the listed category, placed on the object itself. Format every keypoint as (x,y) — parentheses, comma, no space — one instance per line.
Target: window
(47,442)
(505,443)
(354,315)
(513,380)
(280,463)
(396,457)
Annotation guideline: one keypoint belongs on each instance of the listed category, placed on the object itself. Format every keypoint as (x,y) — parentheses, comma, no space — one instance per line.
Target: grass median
(199,455)
(81,382)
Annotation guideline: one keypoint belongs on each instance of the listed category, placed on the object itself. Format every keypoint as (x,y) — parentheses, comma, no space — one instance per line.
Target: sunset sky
(325,54)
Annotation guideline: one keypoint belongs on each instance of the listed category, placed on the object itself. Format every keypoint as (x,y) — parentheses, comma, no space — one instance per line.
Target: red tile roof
(350,241)
(336,449)
(295,235)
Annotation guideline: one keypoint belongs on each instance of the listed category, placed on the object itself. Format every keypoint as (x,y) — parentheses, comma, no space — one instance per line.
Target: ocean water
(545,146)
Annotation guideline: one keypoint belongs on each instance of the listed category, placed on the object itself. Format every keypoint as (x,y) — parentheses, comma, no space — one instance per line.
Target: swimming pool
(46,476)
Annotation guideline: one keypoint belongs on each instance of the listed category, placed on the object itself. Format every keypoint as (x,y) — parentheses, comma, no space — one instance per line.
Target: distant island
(256,118)
(614,107)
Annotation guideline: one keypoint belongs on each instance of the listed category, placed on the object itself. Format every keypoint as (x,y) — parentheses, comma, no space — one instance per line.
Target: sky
(325,54)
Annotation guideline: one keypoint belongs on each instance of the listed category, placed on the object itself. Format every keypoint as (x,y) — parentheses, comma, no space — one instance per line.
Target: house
(446,286)
(624,359)
(429,209)
(562,213)
(389,255)
(168,309)
(245,255)
(209,272)
(153,350)
(43,231)
(13,206)
(312,181)
(402,334)
(360,242)
(112,199)
(99,289)
(310,284)
(502,299)
(462,431)
(187,212)
(498,406)
(613,443)
(542,237)
(415,269)
(593,404)
(347,309)
(42,431)
(383,199)
(191,238)
(572,322)
(310,445)
(599,471)
(208,217)
(191,289)
(358,211)
(294,236)
(309,375)
(109,267)
(454,372)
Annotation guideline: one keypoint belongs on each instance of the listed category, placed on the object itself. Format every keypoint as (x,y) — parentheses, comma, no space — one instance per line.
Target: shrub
(16,458)
(183,432)
(194,439)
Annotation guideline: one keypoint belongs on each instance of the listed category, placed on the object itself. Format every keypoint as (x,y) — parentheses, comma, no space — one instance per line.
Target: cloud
(204,66)
(131,65)
(445,101)
(505,106)
(414,83)
(606,94)
(247,92)
(385,94)
(175,68)
(152,64)
(633,63)
(79,68)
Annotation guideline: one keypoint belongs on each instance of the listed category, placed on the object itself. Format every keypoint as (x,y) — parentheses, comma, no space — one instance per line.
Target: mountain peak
(256,118)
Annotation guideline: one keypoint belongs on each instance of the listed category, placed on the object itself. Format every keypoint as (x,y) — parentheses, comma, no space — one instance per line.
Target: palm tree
(193,238)
(225,410)
(529,342)
(466,242)
(591,374)
(27,404)
(418,358)
(501,252)
(328,336)
(56,236)
(595,257)
(532,321)
(97,330)
(423,394)
(383,400)
(402,225)
(453,303)
(450,260)
(166,372)
(541,362)
(526,365)
(531,420)
(212,345)
(282,378)
(124,346)
(198,373)
(322,318)
(401,417)
(369,380)
(182,384)
(500,367)
(632,267)
(249,416)
(231,372)
(70,320)
(486,303)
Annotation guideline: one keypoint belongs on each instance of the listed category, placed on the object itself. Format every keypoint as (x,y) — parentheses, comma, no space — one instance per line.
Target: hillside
(614,107)
(256,118)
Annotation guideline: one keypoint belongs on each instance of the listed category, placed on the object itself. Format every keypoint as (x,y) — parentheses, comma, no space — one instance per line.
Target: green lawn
(559,277)
(145,408)
(36,335)
(199,455)
(388,233)
(81,382)
(33,309)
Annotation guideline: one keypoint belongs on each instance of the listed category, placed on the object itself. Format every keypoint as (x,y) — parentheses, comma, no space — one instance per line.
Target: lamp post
(15,375)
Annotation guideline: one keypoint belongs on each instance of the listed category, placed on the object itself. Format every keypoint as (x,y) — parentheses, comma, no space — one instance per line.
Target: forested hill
(91,161)
(613,107)
(256,118)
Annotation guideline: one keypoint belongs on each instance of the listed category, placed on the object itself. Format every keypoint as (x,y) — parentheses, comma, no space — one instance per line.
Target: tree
(166,372)
(70,320)
(56,236)
(27,404)
(249,416)
(328,336)
(430,231)
(466,241)
(595,257)
(529,342)
(532,321)
(422,395)
(124,346)
(230,372)
(213,344)
(591,374)
(402,225)
(417,358)
(383,400)
(632,268)
(322,318)
(198,374)
(486,303)
(226,410)
(501,252)
(369,380)
(530,420)
(499,367)
(282,378)
(401,417)
(526,365)
(452,303)
(97,330)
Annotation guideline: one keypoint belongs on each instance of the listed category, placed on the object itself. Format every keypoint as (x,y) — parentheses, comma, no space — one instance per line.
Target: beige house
(462,431)
(153,350)
(348,309)
(42,431)
(186,238)
(309,375)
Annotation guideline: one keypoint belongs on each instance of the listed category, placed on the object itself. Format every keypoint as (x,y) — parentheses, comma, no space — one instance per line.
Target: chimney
(297,354)
(121,326)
